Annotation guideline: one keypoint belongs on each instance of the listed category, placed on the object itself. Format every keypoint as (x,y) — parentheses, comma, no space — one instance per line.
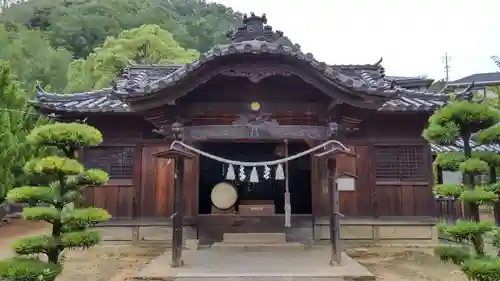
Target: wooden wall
(377,198)
(150,192)
(374,198)
(117,199)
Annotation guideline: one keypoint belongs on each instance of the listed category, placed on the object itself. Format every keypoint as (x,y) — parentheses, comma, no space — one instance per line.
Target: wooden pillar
(178,217)
(333,202)
(336,220)
(178,213)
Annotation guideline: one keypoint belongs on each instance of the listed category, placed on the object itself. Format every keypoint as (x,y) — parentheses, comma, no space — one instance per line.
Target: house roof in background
(490,78)
(411,82)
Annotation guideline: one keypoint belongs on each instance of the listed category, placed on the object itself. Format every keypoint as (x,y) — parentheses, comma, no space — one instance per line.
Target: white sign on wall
(452,177)
(346,183)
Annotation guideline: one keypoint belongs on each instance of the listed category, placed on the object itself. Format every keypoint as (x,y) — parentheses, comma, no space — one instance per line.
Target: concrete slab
(214,265)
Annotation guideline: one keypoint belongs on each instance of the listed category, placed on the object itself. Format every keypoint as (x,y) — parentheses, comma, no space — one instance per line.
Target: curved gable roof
(142,85)
(254,39)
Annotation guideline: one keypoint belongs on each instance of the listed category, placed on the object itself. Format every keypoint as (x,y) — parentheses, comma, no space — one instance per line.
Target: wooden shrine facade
(256,90)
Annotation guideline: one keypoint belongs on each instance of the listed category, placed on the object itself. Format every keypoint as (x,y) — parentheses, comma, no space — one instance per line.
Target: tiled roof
(94,101)
(142,85)
(366,79)
(105,101)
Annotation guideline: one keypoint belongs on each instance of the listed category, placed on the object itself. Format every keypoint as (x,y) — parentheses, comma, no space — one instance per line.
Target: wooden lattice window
(401,163)
(116,160)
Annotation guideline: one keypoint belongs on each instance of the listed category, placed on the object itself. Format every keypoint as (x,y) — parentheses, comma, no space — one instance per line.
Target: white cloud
(411,36)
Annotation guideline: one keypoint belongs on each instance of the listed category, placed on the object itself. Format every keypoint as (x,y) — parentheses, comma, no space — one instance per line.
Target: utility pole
(446,60)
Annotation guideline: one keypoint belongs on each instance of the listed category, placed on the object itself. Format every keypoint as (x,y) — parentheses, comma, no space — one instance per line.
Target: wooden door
(156,195)
(157,184)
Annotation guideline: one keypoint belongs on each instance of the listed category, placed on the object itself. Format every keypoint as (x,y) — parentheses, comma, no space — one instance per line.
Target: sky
(411,36)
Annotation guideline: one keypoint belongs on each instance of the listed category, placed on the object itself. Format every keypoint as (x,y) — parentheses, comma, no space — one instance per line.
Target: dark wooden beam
(332,166)
(178,155)
(232,132)
(236,108)
(333,195)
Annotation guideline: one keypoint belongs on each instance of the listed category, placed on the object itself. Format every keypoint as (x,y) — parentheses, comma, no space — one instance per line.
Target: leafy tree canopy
(463,119)
(82,25)
(147,44)
(32,58)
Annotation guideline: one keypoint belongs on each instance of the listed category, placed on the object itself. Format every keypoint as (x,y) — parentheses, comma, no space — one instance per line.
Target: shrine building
(255,101)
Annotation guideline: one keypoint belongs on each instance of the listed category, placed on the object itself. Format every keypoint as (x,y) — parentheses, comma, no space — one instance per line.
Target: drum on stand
(224,196)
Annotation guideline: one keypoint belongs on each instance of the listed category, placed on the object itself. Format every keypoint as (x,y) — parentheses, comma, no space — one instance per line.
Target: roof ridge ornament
(254,28)
(379,62)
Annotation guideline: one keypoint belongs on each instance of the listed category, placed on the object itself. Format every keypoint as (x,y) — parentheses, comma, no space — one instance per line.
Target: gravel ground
(117,263)
(106,263)
(391,264)
(16,229)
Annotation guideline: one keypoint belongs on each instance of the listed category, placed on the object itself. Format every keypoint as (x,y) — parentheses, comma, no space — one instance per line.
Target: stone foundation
(381,231)
(144,234)
(353,232)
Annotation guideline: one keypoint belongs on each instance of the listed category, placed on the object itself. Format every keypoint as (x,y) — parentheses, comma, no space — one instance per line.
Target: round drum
(224,195)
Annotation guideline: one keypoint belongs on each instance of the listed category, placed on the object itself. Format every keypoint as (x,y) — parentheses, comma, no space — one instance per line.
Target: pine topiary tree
(461,122)
(68,178)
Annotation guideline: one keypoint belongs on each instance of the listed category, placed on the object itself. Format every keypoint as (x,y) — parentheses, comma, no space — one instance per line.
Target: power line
(19,111)
(52,115)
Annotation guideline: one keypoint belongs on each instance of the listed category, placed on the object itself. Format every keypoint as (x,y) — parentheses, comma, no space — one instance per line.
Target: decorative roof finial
(254,28)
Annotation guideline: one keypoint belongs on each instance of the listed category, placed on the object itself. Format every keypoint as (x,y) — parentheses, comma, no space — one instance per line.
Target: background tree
(16,120)
(68,181)
(147,44)
(82,25)
(33,59)
(463,121)
(42,36)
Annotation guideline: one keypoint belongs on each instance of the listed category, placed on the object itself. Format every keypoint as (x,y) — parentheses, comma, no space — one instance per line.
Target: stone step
(251,278)
(258,247)
(214,265)
(254,238)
